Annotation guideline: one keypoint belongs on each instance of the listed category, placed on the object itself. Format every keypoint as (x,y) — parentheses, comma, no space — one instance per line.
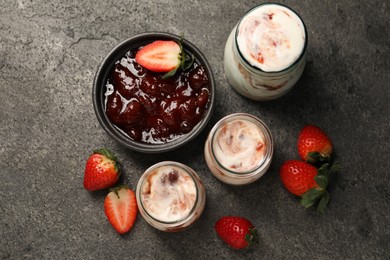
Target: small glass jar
(239,149)
(170,196)
(242,65)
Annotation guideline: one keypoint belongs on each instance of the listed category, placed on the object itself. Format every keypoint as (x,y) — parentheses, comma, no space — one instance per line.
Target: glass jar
(170,196)
(265,53)
(239,149)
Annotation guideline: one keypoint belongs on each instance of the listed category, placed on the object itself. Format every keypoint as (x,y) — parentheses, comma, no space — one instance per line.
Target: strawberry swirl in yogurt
(239,149)
(271,37)
(239,146)
(170,196)
(168,193)
(265,53)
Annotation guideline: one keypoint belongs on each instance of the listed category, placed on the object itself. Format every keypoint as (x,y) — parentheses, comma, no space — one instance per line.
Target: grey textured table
(49,52)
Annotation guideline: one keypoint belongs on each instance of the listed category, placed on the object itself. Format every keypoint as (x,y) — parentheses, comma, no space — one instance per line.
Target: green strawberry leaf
(107,153)
(322,181)
(323,202)
(313,157)
(317,159)
(310,197)
(252,237)
(320,194)
(170,73)
(188,61)
(335,167)
(118,168)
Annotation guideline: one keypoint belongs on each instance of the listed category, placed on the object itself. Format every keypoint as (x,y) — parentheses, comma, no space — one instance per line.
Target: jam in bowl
(145,110)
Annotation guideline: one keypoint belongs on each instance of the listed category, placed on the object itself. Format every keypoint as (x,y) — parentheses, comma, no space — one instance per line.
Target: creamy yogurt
(271,37)
(239,149)
(170,196)
(239,145)
(168,193)
(265,54)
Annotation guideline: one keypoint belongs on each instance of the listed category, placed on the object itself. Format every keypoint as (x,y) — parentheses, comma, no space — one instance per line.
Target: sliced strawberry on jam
(159,56)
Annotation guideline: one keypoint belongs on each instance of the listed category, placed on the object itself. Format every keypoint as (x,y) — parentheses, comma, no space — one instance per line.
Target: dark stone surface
(49,52)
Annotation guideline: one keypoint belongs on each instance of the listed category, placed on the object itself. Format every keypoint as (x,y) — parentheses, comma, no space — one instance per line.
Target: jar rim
(263,129)
(188,171)
(245,61)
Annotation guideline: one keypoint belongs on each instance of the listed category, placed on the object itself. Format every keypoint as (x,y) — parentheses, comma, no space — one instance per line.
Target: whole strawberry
(237,232)
(314,145)
(304,180)
(101,171)
(120,207)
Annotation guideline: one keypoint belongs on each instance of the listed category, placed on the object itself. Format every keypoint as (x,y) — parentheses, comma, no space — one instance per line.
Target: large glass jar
(265,53)
(239,149)
(170,196)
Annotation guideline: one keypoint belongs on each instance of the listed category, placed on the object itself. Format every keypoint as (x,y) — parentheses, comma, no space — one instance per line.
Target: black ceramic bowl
(103,73)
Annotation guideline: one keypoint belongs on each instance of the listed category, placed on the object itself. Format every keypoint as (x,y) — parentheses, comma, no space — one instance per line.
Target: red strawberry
(101,171)
(298,176)
(237,232)
(120,207)
(314,145)
(159,56)
(303,179)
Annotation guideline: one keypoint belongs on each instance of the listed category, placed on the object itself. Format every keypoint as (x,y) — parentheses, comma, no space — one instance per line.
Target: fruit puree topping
(152,109)
(168,193)
(271,37)
(239,146)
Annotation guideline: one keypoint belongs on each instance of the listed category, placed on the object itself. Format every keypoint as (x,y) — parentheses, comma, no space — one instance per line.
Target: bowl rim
(104,70)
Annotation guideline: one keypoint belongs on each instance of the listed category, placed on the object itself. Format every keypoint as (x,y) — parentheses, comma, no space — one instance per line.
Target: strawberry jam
(150,109)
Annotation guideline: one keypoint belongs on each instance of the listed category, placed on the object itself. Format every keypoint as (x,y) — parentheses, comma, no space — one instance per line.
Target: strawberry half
(304,180)
(164,56)
(314,145)
(237,232)
(101,171)
(159,56)
(120,207)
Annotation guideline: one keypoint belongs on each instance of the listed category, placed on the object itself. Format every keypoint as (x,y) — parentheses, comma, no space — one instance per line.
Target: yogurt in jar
(170,196)
(239,149)
(265,53)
